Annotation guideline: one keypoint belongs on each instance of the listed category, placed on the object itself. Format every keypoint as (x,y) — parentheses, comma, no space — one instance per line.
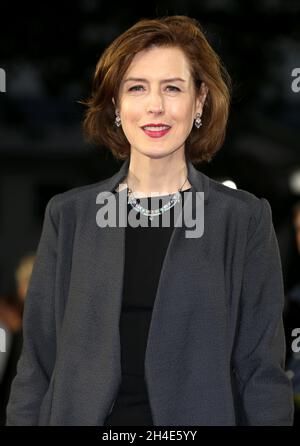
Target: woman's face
(154,98)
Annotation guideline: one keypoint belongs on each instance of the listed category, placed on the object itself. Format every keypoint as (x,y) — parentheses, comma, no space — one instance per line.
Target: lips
(162,129)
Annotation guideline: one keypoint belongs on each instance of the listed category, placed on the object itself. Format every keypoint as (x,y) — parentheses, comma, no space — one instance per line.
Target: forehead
(159,62)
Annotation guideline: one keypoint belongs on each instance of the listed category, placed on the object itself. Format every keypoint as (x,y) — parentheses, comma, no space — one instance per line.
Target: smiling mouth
(156,133)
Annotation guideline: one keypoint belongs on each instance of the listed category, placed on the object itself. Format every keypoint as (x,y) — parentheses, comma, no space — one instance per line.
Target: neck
(156,176)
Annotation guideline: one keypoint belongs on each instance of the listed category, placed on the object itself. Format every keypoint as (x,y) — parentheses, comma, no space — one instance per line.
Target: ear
(113,101)
(200,101)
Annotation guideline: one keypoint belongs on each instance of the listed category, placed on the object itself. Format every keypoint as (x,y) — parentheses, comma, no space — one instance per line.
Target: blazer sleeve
(37,357)
(264,393)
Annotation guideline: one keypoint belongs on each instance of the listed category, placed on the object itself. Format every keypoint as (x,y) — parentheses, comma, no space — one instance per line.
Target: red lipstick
(161,131)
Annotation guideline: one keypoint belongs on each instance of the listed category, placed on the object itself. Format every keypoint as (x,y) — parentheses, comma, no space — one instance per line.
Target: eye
(135,87)
(176,88)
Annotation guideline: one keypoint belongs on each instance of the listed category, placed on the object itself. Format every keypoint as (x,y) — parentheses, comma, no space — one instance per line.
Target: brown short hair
(172,31)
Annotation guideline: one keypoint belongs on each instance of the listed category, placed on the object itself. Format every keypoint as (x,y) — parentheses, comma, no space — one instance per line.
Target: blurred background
(48,52)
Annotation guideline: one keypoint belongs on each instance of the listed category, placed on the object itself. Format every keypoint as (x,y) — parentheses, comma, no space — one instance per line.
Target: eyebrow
(137,79)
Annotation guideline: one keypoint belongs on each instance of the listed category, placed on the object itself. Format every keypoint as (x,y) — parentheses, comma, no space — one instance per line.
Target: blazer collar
(198,180)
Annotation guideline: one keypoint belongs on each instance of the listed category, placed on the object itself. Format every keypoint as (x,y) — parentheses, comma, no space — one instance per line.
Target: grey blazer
(216,348)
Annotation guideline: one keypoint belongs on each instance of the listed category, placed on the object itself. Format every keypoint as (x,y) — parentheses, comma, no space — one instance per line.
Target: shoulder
(76,200)
(238,202)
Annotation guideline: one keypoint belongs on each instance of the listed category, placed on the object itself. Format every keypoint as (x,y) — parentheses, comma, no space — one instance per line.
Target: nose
(155,103)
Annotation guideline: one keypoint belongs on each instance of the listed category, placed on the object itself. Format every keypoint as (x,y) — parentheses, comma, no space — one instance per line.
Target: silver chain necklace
(175,198)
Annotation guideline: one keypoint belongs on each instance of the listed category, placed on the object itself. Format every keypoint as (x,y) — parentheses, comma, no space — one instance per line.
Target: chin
(157,155)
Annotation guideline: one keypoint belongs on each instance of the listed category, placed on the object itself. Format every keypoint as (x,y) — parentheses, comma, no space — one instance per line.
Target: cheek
(182,113)
(130,111)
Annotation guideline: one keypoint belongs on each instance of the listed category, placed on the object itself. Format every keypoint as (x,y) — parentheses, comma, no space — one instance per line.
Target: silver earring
(118,120)
(198,121)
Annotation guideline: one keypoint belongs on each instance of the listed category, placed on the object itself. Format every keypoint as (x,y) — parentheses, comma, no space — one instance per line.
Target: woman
(213,353)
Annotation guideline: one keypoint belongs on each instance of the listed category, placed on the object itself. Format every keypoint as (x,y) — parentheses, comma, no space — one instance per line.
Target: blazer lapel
(182,280)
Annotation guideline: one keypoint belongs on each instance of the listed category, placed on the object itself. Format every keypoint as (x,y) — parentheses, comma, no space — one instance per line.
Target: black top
(145,248)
